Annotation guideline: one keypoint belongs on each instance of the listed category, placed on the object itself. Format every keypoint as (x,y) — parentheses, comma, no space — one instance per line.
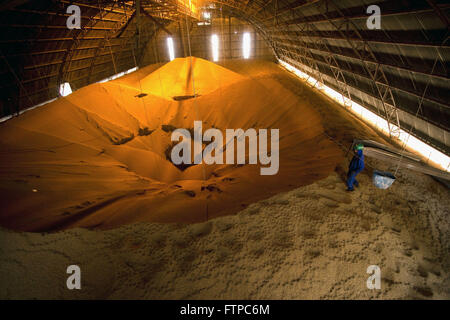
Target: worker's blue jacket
(357,163)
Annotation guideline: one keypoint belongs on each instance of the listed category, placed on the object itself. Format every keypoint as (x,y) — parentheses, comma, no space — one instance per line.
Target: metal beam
(159,24)
(122,29)
(138,23)
(295,44)
(377,82)
(292,7)
(55,13)
(439,13)
(342,37)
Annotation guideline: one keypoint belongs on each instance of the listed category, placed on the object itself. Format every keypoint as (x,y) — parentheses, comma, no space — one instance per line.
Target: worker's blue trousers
(351,179)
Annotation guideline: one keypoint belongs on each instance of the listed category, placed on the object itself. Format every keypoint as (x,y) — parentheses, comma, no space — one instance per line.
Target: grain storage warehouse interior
(121,152)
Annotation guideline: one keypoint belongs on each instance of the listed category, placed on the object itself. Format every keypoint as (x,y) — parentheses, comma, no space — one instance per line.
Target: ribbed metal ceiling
(400,71)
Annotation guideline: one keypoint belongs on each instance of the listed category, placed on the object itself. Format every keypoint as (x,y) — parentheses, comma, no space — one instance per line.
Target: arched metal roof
(400,71)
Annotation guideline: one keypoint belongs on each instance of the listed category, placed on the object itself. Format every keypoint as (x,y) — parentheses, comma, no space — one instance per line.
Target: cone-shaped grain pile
(98,157)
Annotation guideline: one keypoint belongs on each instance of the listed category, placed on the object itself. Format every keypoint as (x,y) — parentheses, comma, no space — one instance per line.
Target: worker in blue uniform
(356,166)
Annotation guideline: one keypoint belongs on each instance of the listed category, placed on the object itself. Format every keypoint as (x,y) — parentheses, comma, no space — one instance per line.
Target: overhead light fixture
(206,15)
(215,47)
(246,45)
(65,89)
(170,48)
